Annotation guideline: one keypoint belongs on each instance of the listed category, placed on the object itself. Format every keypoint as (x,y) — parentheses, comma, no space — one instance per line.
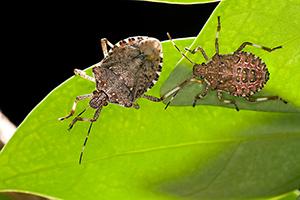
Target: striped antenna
(170,38)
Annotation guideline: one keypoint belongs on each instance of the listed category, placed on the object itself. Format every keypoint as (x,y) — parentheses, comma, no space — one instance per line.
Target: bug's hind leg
(257,46)
(104,43)
(261,99)
(201,95)
(227,101)
(78,98)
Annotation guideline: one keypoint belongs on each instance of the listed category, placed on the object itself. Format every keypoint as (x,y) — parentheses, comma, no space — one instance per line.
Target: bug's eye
(198,71)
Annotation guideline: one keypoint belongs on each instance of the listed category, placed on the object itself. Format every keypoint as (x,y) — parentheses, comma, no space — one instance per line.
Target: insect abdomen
(250,74)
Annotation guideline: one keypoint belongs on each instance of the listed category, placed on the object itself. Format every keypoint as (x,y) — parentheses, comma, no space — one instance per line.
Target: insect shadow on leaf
(128,70)
(239,74)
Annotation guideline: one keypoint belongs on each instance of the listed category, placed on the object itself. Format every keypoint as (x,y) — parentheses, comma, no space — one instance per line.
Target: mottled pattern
(239,74)
(130,69)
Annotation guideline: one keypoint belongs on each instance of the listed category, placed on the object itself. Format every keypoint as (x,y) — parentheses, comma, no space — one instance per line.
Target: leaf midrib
(63,165)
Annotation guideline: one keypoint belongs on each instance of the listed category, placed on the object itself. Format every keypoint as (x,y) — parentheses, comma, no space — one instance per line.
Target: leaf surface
(206,152)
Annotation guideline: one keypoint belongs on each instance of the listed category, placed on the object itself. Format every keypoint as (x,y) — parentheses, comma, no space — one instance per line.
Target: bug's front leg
(136,105)
(227,101)
(78,118)
(78,98)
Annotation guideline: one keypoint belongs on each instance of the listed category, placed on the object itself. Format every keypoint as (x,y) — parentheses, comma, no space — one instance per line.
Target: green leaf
(262,22)
(183,1)
(290,196)
(4,197)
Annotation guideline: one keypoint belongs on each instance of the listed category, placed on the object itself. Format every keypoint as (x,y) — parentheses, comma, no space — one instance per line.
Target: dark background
(43,43)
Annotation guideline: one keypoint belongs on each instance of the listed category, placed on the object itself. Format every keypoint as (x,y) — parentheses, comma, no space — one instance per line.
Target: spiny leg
(217,35)
(96,116)
(169,36)
(261,99)
(71,126)
(196,50)
(78,98)
(174,91)
(149,97)
(227,101)
(82,74)
(104,43)
(257,46)
(201,95)
(78,118)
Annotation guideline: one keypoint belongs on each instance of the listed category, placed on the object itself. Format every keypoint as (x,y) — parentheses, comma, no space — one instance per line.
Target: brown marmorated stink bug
(127,71)
(239,74)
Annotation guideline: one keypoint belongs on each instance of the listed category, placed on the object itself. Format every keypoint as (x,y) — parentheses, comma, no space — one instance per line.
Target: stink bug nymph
(127,71)
(239,74)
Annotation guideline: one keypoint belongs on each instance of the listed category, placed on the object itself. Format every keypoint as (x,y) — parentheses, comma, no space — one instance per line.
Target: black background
(42,43)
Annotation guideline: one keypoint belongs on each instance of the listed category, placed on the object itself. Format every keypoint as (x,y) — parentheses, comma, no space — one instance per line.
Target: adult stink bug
(128,70)
(238,74)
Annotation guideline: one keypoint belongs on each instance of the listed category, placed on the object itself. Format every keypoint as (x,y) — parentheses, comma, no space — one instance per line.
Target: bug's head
(99,99)
(151,48)
(199,70)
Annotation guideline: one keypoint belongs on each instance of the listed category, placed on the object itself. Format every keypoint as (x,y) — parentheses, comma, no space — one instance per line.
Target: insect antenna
(92,120)
(170,38)
(85,141)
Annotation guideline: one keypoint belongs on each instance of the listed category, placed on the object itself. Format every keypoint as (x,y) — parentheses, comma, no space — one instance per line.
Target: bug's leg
(82,74)
(196,50)
(78,118)
(217,35)
(227,101)
(151,98)
(104,43)
(175,91)
(136,105)
(96,116)
(78,98)
(260,99)
(169,36)
(201,95)
(257,46)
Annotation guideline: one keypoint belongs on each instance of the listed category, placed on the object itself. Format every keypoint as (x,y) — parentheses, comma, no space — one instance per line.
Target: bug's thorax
(215,71)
